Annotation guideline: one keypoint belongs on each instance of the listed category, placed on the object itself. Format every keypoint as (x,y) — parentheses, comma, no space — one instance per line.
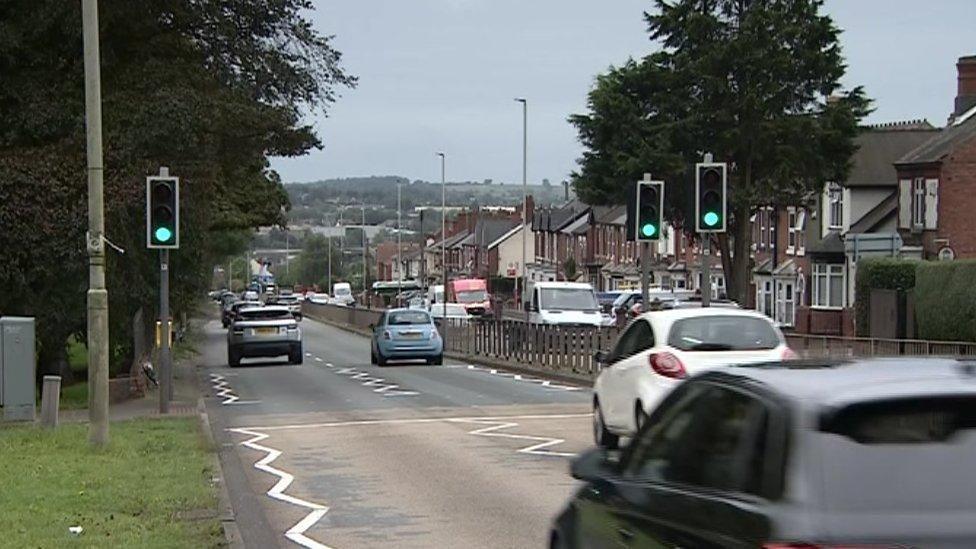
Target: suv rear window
(911,455)
(723,333)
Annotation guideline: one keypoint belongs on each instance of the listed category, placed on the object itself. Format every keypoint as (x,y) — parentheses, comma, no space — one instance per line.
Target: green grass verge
(74,397)
(77,355)
(149,488)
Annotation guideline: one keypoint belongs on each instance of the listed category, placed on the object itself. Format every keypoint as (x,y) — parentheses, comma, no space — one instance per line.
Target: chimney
(966,93)
(566,190)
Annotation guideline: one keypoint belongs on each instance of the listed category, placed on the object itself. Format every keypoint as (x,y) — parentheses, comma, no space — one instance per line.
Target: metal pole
(443,239)
(645,259)
(165,364)
(399,245)
(706,261)
(287,255)
(365,270)
(329,289)
(525,197)
(97,293)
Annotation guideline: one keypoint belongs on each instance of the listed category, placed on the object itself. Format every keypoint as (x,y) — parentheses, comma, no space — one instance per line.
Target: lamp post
(365,264)
(443,236)
(399,244)
(525,196)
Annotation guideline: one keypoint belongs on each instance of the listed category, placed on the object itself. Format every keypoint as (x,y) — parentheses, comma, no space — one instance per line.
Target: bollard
(50,399)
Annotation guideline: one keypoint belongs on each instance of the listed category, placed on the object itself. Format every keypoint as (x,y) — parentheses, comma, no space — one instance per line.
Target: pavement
(338,453)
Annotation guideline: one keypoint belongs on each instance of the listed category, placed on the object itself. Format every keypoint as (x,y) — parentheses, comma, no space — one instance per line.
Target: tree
(210,89)
(755,82)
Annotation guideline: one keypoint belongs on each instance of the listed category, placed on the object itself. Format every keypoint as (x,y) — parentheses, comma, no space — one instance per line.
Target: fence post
(50,395)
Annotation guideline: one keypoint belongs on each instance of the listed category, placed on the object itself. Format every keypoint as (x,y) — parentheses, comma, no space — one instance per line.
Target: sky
(443,75)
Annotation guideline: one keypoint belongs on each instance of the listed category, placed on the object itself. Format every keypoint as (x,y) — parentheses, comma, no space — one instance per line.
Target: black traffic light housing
(711,185)
(650,210)
(162,212)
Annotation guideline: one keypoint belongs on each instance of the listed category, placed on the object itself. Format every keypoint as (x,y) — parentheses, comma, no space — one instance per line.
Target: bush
(945,300)
(881,274)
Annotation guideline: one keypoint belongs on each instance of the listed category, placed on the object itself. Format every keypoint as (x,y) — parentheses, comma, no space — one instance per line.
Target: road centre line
(364,422)
(520,377)
(297,532)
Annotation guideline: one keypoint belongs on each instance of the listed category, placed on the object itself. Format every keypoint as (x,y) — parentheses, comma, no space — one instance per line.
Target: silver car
(264,332)
(293,302)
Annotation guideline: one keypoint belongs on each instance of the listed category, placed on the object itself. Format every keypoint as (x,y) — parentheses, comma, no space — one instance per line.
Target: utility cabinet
(18,363)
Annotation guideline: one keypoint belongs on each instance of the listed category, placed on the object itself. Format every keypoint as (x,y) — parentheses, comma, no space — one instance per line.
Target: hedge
(883,274)
(945,300)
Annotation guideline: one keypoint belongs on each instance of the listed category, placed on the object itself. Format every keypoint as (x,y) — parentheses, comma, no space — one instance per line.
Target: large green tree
(209,88)
(754,82)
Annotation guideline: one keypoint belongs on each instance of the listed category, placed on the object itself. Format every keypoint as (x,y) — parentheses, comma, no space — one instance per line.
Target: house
(551,237)
(505,252)
(476,247)
(937,182)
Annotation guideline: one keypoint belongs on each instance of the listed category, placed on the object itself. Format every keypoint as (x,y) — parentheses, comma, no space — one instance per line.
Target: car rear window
(906,455)
(723,333)
(401,318)
(265,314)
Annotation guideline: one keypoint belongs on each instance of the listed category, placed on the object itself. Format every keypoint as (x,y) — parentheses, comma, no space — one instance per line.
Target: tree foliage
(755,82)
(209,88)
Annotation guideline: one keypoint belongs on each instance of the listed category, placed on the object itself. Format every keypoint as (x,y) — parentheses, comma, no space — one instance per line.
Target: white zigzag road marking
(383,386)
(223,389)
(297,532)
(535,449)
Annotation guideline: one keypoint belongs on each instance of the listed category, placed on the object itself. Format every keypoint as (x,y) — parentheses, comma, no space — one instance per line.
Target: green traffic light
(710,219)
(648,230)
(163,234)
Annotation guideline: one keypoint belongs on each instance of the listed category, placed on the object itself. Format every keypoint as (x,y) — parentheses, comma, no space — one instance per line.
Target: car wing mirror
(594,464)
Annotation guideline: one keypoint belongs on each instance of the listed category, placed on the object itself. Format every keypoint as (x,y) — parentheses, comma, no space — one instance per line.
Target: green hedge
(883,274)
(945,300)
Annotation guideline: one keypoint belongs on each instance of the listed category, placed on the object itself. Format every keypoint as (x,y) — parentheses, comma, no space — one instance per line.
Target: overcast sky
(443,74)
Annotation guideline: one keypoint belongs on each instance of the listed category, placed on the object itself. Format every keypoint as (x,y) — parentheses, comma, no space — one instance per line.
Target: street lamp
(525,195)
(399,244)
(443,237)
(365,268)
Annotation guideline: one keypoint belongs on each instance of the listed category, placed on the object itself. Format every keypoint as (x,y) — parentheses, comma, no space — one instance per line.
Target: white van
(342,294)
(562,303)
(435,295)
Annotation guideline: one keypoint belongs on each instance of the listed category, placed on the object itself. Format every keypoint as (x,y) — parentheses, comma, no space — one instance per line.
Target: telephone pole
(97,293)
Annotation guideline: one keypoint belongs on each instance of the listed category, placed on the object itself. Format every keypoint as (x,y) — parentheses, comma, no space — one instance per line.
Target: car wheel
(295,357)
(233,358)
(380,359)
(436,361)
(603,437)
(640,417)
(372,356)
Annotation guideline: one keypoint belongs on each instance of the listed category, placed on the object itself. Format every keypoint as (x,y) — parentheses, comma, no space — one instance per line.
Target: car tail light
(667,365)
(387,335)
(788,354)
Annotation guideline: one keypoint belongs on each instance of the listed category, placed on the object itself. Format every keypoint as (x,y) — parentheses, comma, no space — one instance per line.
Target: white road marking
(308,354)
(330,365)
(535,449)
(361,422)
(528,379)
(223,389)
(381,385)
(297,532)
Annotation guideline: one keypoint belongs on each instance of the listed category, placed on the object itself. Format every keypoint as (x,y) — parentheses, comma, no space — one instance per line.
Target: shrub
(882,274)
(945,300)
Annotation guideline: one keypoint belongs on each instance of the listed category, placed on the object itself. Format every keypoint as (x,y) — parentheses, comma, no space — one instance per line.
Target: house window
(835,204)
(828,285)
(918,202)
(796,240)
(791,231)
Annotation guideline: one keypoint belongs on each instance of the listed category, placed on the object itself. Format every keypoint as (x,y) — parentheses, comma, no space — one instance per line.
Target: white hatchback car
(659,349)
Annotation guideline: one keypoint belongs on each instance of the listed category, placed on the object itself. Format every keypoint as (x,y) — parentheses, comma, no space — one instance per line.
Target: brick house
(937,182)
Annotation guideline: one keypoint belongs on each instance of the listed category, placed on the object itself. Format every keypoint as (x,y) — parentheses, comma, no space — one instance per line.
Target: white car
(659,349)
(250,295)
(457,314)
(320,299)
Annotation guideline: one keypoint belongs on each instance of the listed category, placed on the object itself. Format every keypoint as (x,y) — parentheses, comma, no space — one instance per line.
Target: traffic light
(162,212)
(710,197)
(650,208)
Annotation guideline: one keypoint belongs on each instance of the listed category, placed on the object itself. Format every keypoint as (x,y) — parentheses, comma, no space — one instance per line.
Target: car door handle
(626,535)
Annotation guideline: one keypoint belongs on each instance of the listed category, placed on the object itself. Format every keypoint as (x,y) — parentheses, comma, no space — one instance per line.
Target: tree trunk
(741,242)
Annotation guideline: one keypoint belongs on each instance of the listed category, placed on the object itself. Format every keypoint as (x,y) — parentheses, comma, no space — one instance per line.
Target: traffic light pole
(165,362)
(706,262)
(645,260)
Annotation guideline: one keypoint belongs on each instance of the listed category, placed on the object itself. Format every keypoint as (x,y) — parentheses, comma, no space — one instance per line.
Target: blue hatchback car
(404,334)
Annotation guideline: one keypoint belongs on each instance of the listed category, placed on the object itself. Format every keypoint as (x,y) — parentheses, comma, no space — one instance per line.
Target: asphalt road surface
(341,454)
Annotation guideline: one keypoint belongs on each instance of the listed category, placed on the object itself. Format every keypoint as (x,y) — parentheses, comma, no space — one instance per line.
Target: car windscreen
(405,318)
(567,299)
(472,296)
(723,333)
(264,314)
(909,454)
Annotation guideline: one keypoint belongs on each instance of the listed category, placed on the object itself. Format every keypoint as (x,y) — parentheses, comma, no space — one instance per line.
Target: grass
(149,488)
(74,397)
(77,355)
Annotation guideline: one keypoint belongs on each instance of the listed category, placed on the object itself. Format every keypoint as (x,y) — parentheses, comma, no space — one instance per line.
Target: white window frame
(918,203)
(833,272)
(835,206)
(791,218)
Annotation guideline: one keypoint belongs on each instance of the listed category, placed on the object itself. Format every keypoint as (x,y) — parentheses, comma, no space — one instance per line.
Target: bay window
(828,285)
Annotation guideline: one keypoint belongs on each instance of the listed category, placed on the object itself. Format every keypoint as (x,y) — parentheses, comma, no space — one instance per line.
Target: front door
(785,302)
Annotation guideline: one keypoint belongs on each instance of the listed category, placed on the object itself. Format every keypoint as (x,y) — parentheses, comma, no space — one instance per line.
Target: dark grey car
(874,453)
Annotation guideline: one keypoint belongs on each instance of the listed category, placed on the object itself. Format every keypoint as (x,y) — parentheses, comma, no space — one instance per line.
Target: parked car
(402,334)
(264,332)
(457,313)
(659,349)
(814,454)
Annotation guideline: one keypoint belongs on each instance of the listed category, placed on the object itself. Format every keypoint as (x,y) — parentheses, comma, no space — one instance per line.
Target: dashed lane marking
(521,377)
(317,359)
(316,511)
(377,384)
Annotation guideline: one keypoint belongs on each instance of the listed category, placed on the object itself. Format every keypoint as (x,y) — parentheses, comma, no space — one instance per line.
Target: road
(338,453)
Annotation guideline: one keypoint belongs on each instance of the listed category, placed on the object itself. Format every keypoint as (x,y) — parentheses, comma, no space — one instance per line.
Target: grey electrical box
(17,368)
